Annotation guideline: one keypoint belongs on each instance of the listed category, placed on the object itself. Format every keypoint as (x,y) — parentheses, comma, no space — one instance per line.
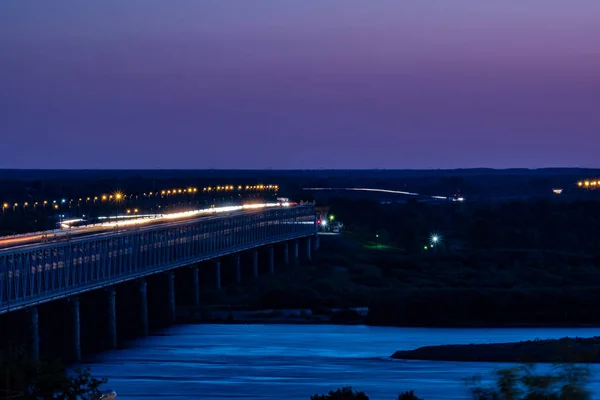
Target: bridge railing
(61,269)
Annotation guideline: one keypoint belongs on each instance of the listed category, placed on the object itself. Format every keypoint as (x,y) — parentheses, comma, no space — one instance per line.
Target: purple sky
(299,83)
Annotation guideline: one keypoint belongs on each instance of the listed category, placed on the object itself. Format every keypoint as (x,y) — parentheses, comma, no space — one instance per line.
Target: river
(295,361)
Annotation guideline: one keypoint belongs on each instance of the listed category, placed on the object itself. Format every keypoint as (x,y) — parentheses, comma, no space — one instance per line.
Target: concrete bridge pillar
(286,253)
(271,260)
(144,306)
(308,249)
(317,243)
(238,269)
(255,263)
(218,267)
(76,336)
(112,317)
(296,256)
(34,339)
(171,289)
(196,284)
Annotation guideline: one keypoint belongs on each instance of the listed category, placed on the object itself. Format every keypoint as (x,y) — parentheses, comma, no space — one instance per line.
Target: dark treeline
(571,227)
(20,186)
(31,187)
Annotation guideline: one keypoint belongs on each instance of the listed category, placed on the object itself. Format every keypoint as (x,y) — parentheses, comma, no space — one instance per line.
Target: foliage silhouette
(345,393)
(32,380)
(566,382)
(410,395)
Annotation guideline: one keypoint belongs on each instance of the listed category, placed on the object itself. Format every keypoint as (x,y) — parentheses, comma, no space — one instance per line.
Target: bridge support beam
(317,242)
(255,263)
(308,249)
(144,307)
(171,289)
(218,268)
(34,339)
(112,317)
(271,260)
(76,336)
(196,285)
(296,253)
(286,253)
(238,269)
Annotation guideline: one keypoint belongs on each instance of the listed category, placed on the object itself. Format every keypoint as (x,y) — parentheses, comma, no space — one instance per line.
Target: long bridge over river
(33,275)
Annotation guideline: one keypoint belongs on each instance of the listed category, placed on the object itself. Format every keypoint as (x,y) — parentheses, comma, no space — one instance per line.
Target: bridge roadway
(68,232)
(32,274)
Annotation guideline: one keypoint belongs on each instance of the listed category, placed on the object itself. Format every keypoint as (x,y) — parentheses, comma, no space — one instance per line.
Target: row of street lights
(119,196)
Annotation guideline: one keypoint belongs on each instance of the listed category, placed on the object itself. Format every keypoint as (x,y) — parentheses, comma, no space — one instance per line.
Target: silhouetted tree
(408,396)
(345,393)
(522,383)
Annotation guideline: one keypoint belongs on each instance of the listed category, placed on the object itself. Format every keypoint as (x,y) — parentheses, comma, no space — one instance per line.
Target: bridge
(34,274)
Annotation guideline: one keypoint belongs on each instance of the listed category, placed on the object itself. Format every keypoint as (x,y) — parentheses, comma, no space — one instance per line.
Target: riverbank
(350,316)
(233,315)
(565,350)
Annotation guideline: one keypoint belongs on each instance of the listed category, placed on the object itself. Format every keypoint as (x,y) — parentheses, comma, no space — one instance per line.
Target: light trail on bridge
(68,230)
(382,191)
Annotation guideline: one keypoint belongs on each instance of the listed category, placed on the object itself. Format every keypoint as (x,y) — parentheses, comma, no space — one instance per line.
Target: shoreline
(565,350)
(353,316)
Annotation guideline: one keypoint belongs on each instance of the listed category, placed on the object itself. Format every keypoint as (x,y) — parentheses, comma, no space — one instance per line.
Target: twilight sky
(299,83)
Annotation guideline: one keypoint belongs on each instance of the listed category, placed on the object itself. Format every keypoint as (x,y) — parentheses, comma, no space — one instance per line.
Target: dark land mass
(23,192)
(509,264)
(533,259)
(22,185)
(566,350)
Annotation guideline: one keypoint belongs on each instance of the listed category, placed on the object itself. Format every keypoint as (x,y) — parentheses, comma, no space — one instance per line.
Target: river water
(295,361)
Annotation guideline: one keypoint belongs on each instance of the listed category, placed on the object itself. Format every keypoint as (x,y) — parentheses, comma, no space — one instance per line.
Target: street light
(434,239)
(118,196)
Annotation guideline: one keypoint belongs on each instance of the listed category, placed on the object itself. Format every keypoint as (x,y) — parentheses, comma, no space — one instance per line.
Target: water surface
(295,361)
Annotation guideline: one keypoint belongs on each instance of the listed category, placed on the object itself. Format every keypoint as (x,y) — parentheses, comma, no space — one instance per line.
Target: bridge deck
(40,273)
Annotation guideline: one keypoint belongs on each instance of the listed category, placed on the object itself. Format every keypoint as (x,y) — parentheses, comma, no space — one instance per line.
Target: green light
(377,236)
(425,247)
(331,217)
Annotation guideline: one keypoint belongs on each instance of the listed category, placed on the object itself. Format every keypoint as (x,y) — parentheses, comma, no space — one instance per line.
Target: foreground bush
(345,393)
(565,382)
(23,378)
